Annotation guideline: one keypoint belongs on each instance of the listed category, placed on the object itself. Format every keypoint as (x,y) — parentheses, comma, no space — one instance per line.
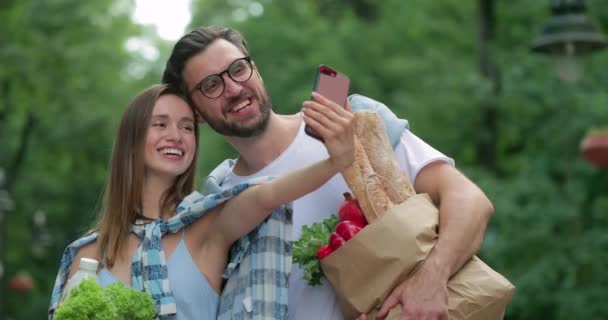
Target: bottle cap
(88,264)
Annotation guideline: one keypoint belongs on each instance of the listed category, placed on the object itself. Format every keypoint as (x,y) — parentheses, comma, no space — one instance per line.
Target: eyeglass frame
(199,85)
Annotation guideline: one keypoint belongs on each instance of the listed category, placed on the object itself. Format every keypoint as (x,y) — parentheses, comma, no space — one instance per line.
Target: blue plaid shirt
(258,272)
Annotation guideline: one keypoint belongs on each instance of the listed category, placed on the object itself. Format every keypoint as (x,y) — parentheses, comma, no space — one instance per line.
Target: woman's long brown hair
(122,198)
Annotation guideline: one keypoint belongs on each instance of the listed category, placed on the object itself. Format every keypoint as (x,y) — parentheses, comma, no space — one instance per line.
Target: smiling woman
(169,17)
(171,140)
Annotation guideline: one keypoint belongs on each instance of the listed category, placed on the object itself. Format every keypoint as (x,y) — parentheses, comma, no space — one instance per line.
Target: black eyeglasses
(213,86)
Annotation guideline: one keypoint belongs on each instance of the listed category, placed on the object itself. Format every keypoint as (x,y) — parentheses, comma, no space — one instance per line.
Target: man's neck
(255,153)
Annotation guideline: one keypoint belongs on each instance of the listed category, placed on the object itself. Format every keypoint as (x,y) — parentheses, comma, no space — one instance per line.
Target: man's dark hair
(192,44)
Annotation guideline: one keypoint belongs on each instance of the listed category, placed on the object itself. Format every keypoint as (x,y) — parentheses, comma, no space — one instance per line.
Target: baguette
(372,133)
(366,185)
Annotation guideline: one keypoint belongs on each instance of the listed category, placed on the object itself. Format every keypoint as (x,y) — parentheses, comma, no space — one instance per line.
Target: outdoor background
(69,67)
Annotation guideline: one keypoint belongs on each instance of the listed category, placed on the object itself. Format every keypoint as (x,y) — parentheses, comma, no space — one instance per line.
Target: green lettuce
(305,248)
(90,301)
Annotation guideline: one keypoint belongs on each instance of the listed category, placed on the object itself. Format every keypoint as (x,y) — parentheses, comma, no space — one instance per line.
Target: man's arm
(464,211)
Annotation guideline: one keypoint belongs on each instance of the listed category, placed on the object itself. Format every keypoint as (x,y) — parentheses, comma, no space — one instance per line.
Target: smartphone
(333,85)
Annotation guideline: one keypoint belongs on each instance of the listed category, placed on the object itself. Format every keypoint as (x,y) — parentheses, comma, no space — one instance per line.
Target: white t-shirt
(319,302)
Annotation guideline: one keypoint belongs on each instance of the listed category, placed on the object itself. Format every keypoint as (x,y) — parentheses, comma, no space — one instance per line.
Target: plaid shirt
(148,266)
(260,263)
(258,271)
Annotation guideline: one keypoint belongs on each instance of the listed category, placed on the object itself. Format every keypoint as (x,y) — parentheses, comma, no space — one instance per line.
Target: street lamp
(568,34)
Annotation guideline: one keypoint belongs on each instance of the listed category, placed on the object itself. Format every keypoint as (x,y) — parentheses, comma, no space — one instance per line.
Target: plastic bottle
(86,269)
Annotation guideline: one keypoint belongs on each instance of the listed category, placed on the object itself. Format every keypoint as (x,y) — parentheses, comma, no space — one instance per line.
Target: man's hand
(336,125)
(422,297)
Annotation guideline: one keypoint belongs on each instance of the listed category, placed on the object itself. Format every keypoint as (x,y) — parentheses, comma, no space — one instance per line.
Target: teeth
(241,105)
(171,151)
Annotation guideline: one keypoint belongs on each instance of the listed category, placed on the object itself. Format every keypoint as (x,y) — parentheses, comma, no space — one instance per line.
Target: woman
(151,171)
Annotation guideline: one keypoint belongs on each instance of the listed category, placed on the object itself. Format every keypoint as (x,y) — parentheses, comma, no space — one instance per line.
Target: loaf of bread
(366,185)
(372,133)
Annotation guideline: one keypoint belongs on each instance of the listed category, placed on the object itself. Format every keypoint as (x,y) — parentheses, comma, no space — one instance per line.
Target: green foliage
(64,82)
(305,248)
(66,77)
(597,131)
(116,302)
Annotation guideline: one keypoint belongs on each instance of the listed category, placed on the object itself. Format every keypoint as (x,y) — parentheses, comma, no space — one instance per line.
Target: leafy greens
(305,248)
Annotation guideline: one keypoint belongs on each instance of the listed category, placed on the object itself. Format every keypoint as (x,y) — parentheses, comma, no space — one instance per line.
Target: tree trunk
(487,140)
(18,160)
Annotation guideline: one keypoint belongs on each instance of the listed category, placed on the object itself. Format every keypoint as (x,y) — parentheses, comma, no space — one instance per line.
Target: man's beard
(236,130)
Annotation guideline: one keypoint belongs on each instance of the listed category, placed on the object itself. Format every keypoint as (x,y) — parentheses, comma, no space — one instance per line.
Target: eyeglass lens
(239,71)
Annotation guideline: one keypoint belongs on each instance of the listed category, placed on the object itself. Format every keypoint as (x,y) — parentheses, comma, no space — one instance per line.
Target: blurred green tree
(67,75)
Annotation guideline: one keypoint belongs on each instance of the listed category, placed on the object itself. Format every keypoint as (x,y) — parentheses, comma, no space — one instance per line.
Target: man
(213,67)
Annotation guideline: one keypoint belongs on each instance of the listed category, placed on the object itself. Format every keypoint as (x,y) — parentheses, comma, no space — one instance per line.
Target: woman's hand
(335,124)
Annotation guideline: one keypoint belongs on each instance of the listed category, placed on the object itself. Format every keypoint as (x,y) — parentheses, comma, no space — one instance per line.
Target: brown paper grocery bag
(475,292)
(366,269)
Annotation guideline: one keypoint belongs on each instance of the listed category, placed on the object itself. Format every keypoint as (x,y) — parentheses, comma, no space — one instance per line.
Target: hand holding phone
(334,86)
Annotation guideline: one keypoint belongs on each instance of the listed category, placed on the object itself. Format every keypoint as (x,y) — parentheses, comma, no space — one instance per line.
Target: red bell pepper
(324,251)
(349,210)
(347,229)
(336,241)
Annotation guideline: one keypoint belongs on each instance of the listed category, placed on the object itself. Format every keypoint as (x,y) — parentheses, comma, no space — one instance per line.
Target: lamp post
(569,34)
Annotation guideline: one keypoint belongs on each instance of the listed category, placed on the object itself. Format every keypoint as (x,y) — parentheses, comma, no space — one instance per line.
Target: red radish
(324,251)
(336,241)
(349,210)
(347,229)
